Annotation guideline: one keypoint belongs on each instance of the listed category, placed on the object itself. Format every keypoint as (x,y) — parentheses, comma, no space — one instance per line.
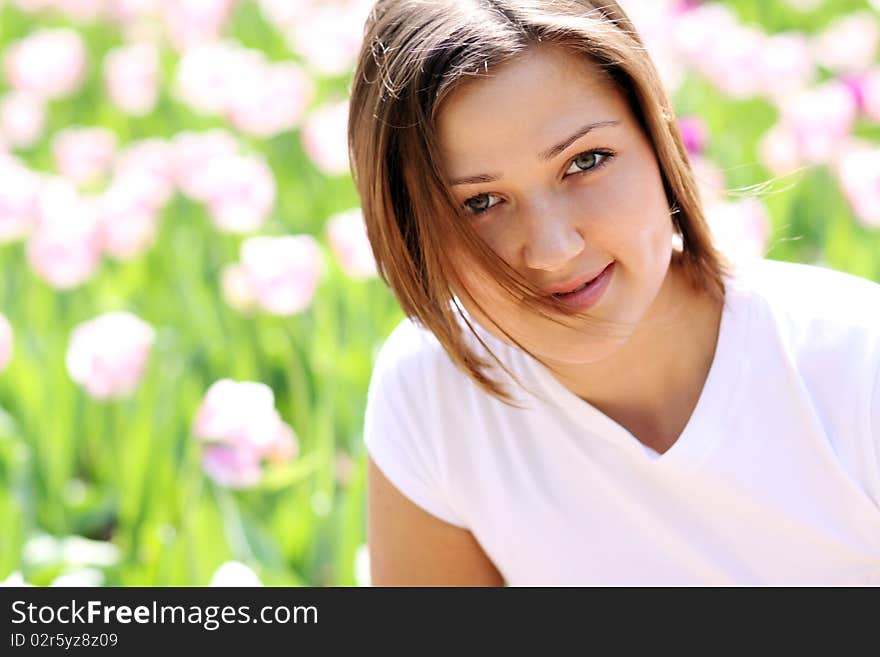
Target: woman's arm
(410,547)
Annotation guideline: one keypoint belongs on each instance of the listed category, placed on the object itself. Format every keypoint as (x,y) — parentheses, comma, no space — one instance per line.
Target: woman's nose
(551,241)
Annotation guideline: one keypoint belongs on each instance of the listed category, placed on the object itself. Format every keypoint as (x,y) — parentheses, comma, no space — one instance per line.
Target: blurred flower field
(189,309)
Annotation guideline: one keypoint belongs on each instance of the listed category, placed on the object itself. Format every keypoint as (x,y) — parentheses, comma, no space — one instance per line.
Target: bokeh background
(189,309)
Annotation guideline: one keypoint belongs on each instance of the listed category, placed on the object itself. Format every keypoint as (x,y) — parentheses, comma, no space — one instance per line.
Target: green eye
(479,203)
(587,161)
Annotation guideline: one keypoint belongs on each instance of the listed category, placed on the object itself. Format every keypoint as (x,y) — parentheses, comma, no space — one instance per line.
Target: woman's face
(556,199)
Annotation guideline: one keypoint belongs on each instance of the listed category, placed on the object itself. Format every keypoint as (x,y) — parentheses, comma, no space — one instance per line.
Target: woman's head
(505,149)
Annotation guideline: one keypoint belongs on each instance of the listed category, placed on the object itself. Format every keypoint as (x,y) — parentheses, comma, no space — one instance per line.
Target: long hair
(414,54)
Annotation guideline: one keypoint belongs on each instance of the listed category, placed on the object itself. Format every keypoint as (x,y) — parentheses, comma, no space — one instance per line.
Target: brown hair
(415,52)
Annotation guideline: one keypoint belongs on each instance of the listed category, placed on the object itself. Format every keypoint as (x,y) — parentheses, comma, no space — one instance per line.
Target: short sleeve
(874,412)
(398,427)
(873,415)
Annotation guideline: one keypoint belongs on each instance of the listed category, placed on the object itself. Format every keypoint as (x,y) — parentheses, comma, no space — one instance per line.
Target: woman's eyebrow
(544,155)
(553,151)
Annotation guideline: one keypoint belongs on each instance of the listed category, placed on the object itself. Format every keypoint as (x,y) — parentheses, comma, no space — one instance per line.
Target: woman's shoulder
(812,294)
(410,344)
(412,354)
(408,340)
(826,321)
(413,357)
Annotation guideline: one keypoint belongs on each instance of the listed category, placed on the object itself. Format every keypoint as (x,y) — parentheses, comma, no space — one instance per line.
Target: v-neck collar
(713,407)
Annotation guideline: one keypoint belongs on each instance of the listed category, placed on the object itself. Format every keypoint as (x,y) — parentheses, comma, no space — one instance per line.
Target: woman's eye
(480,203)
(587,161)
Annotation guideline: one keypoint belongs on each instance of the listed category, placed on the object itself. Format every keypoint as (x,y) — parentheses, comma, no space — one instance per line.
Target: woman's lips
(587,297)
(574,283)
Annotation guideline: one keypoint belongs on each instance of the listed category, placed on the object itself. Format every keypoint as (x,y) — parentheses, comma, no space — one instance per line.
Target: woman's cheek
(598,211)
(631,199)
(499,232)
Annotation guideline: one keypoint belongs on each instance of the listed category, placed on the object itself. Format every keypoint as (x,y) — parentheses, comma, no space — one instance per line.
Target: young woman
(571,399)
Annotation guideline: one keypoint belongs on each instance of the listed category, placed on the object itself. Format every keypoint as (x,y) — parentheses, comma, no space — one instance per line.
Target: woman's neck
(651,385)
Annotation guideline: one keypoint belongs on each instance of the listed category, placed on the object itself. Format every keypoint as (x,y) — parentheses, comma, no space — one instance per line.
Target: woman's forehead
(534,100)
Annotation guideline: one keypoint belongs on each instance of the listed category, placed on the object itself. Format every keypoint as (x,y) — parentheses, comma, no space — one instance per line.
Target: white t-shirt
(775,480)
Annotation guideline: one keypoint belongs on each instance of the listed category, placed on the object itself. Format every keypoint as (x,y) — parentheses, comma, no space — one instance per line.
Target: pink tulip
(681,6)
(81,10)
(646,15)
(849,43)
(6,342)
(128,12)
(240,428)
(694,134)
(284,14)
(739,60)
(858,171)
(84,155)
(654,19)
(347,234)
(668,62)
(193,153)
(107,355)
(733,62)
(150,164)
(240,192)
(131,75)
(236,288)
(239,413)
(258,97)
(787,65)
(49,62)
(272,99)
(285,448)
(128,219)
(857,83)
(64,249)
(194,22)
(234,573)
(693,32)
(869,91)
(740,228)
(19,193)
(22,118)
(282,272)
(779,150)
(330,34)
(207,75)
(325,138)
(202,78)
(231,467)
(820,119)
